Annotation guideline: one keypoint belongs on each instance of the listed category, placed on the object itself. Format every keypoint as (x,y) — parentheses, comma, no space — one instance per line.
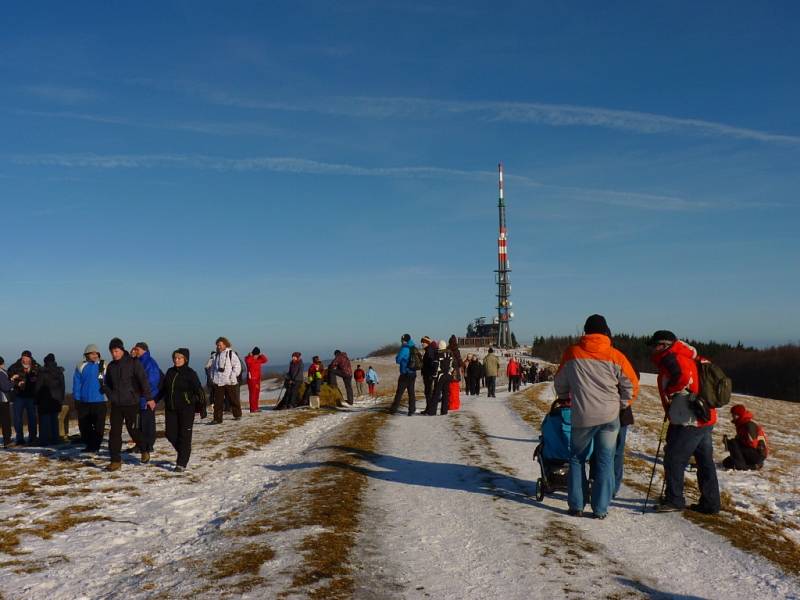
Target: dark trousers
(405,382)
(92,423)
(742,457)
(147,430)
(491,384)
(347,379)
(427,381)
(120,414)
(513,383)
(27,407)
(441,395)
(231,394)
(179,424)
(5,422)
(684,442)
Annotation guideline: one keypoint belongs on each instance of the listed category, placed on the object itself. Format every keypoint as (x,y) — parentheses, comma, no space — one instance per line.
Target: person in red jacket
(513,373)
(359,375)
(687,435)
(254,360)
(749,448)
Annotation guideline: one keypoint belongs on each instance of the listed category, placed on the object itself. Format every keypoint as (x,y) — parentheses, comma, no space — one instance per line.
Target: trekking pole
(655,463)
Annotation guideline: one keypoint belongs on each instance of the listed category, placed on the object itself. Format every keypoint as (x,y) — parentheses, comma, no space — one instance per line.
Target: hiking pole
(655,463)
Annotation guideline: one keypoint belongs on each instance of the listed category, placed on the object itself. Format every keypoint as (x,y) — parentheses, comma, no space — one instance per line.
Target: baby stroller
(552,452)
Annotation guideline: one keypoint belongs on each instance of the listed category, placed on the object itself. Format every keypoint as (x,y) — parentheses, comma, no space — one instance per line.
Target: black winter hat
(662,335)
(2,360)
(116,343)
(26,353)
(596,324)
(143,346)
(406,337)
(50,359)
(256,351)
(183,352)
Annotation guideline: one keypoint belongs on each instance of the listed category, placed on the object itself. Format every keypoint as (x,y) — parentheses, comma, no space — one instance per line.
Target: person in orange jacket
(254,360)
(688,434)
(749,448)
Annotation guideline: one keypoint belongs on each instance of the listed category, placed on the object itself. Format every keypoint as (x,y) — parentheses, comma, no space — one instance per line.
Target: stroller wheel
(539,489)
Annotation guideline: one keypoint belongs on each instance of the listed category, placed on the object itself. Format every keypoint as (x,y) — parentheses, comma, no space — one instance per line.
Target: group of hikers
(596,386)
(594,382)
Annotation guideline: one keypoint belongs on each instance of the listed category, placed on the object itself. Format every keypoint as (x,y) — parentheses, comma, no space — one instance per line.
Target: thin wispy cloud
(642,201)
(555,115)
(221,128)
(60,94)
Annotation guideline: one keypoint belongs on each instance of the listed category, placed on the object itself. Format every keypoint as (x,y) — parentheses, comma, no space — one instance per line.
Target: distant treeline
(769,372)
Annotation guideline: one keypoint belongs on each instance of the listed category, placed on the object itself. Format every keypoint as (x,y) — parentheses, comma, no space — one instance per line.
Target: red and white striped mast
(504,314)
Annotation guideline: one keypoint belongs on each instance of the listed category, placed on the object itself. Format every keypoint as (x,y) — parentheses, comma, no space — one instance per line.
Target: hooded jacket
(599,379)
(429,360)
(455,353)
(224,367)
(491,364)
(154,375)
(50,391)
(513,369)
(749,433)
(403,356)
(295,372)
(372,376)
(86,382)
(181,387)
(678,381)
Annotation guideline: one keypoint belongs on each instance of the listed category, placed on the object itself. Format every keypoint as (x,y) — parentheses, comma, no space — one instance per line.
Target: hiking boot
(703,509)
(145,457)
(114,466)
(599,516)
(574,512)
(666,507)
(179,469)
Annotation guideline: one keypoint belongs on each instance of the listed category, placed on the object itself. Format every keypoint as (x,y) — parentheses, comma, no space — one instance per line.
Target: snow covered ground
(447,511)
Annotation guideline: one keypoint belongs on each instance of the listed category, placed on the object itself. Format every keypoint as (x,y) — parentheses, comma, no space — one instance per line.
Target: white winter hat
(91,348)
(442,345)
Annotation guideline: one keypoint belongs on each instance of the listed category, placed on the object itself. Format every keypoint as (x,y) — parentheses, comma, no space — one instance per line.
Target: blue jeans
(605,443)
(683,442)
(619,458)
(25,405)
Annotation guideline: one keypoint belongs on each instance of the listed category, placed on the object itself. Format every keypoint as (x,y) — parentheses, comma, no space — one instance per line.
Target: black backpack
(715,389)
(414,359)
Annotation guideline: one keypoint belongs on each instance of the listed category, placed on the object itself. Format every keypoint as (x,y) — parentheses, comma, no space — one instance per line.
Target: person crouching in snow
(687,434)
(254,360)
(749,448)
(181,391)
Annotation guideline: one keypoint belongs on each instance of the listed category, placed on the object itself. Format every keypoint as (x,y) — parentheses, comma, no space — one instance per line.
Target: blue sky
(320,175)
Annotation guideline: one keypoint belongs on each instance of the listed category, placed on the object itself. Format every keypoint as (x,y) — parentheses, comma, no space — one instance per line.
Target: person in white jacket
(223,368)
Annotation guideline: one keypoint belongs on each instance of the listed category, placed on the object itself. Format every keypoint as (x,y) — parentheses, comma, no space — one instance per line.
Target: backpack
(414,359)
(715,389)
(242,378)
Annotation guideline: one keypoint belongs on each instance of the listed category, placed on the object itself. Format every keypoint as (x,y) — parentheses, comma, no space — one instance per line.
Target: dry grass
(45,528)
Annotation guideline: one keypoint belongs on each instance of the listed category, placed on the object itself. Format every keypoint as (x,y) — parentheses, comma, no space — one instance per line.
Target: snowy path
(449,515)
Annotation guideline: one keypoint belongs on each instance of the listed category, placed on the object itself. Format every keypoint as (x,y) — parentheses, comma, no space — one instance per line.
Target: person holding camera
(90,403)
(23,375)
(224,368)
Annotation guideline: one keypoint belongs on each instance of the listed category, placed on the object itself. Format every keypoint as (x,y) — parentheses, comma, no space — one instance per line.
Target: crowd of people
(594,381)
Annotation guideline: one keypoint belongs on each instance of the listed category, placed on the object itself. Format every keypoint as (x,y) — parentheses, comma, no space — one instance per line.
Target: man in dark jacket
(428,367)
(50,396)
(124,382)
(441,378)
(23,374)
(340,366)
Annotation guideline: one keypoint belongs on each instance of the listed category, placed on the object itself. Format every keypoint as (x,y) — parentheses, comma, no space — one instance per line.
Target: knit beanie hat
(91,348)
(442,345)
(296,354)
(662,336)
(596,324)
(26,353)
(406,337)
(426,340)
(184,352)
(50,359)
(256,351)
(116,343)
